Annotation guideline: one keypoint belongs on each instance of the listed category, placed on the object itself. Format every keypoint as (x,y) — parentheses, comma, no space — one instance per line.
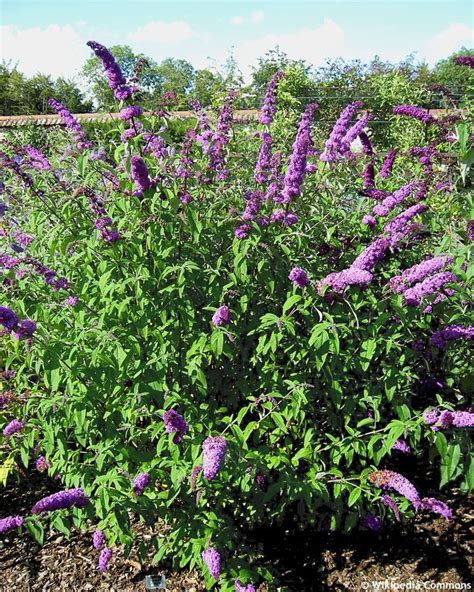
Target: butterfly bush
(203,330)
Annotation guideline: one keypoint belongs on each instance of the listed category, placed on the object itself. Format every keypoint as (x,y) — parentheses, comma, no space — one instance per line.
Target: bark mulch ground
(429,550)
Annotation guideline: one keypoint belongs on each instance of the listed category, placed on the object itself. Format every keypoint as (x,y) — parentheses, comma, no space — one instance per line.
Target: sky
(50,36)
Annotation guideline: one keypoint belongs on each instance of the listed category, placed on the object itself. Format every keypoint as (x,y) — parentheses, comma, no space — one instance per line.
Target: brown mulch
(431,549)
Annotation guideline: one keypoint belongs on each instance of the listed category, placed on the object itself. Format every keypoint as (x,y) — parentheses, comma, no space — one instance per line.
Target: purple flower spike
(130,112)
(139,172)
(71,124)
(336,138)
(401,446)
(175,423)
(214,449)
(371,255)
(63,499)
(434,505)
(13,427)
(369,221)
(212,559)
(41,464)
(241,588)
(8,318)
(98,539)
(297,167)
(464,61)
(451,333)
(373,522)
(388,501)
(269,104)
(24,329)
(113,72)
(10,523)
(388,164)
(414,112)
(299,277)
(392,480)
(221,316)
(142,480)
(104,559)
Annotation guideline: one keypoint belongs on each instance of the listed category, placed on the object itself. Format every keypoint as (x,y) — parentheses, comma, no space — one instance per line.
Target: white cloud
(56,50)
(313,44)
(257,17)
(448,41)
(237,20)
(161,32)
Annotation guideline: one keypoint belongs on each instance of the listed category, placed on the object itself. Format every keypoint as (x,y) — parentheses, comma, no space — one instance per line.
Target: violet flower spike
(10,523)
(296,171)
(62,500)
(212,559)
(214,449)
(141,481)
(104,559)
(269,103)
(392,480)
(299,277)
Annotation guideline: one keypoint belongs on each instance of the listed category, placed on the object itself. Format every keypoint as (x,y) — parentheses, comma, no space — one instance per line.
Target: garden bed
(430,549)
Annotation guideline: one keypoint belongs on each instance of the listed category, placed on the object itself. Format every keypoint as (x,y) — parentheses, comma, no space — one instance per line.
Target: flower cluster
(18,329)
(397,197)
(451,333)
(113,72)
(241,588)
(401,446)
(41,464)
(387,164)
(141,481)
(104,559)
(175,423)
(221,316)
(212,559)
(398,223)
(438,507)
(335,142)
(264,158)
(130,112)
(414,112)
(269,103)
(388,501)
(214,449)
(299,277)
(221,136)
(418,272)
(63,499)
(466,60)
(72,124)
(372,522)
(36,159)
(13,427)
(140,176)
(339,281)
(98,539)
(10,523)
(353,133)
(391,480)
(296,170)
(448,419)
(414,296)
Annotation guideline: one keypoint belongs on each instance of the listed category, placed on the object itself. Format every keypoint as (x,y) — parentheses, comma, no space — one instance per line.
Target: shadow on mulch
(430,549)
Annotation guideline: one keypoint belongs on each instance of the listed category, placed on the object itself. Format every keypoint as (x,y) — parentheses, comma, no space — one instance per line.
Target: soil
(430,549)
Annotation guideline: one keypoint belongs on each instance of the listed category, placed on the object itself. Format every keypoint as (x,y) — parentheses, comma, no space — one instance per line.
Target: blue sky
(50,36)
